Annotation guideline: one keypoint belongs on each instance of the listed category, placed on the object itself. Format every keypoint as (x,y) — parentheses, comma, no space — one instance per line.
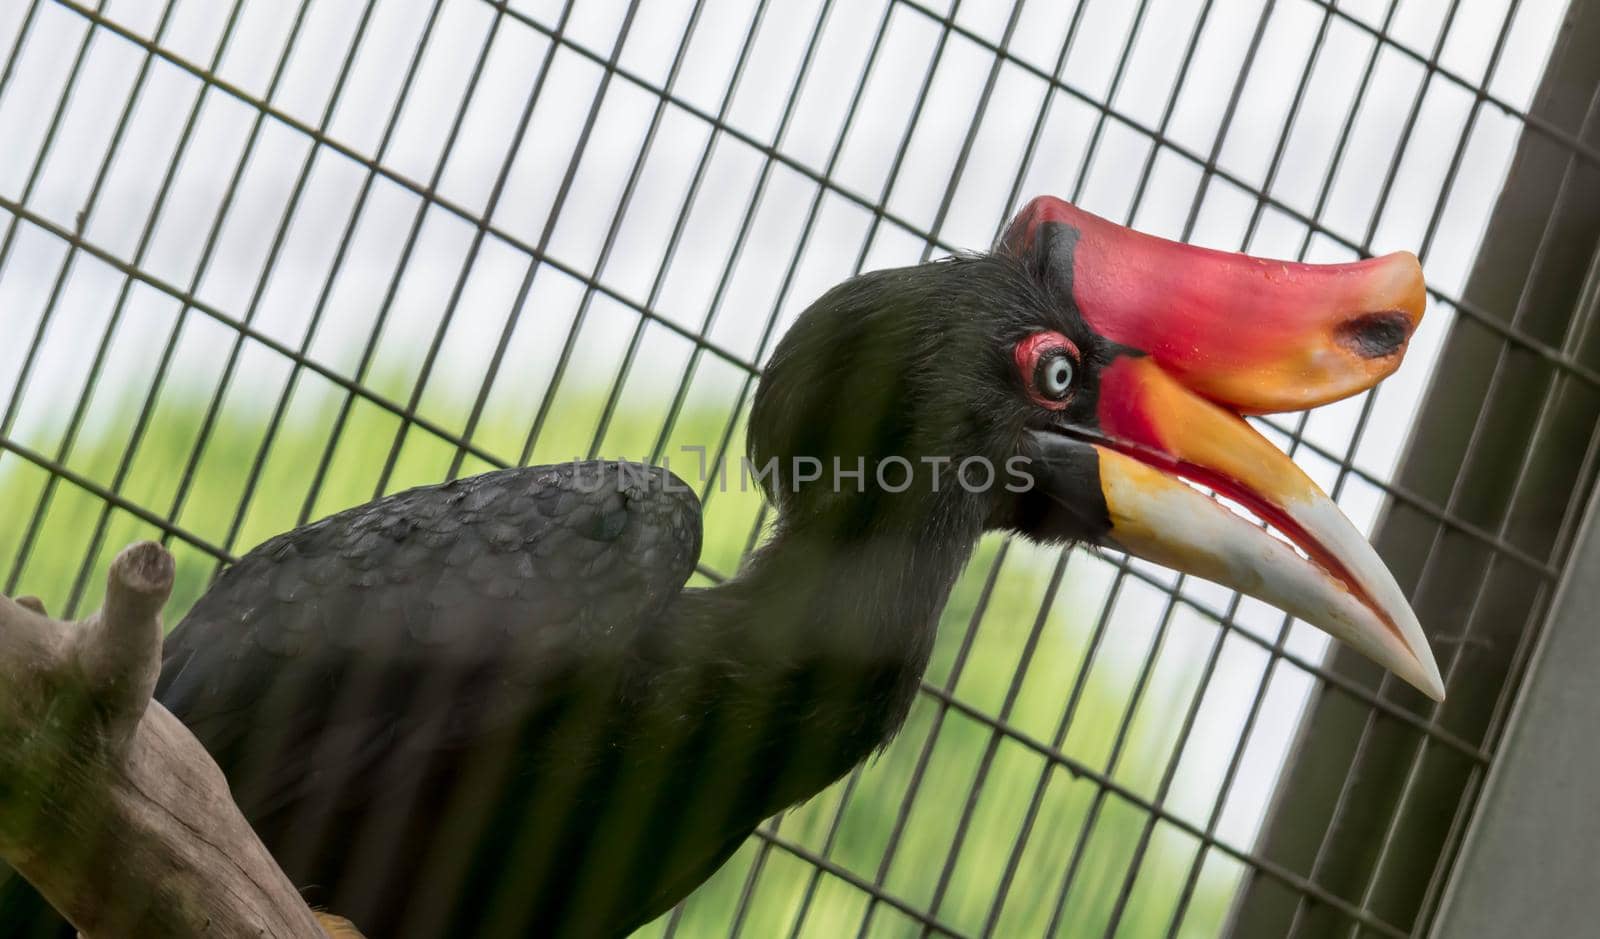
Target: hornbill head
(1072,385)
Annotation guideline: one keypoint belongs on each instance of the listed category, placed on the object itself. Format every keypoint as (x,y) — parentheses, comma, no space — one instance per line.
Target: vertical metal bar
(1074,698)
(1181,743)
(913,786)
(297,370)
(1037,799)
(252,307)
(992,748)
(1467,806)
(892,176)
(1086,830)
(148,406)
(1540,427)
(494,200)
(319,476)
(1382,752)
(548,398)
(1499,537)
(15,401)
(802,72)
(1191,880)
(1433,552)
(925,755)
(1528,867)
(680,396)
(614,396)
(80,409)
(1102,116)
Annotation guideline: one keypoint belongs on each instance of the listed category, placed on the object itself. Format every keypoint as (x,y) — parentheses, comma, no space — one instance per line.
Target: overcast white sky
(61,190)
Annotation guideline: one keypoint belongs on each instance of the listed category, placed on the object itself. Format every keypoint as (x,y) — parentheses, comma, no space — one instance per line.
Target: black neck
(857,603)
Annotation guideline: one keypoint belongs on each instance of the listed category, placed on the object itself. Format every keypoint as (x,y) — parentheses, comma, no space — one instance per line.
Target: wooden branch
(108,805)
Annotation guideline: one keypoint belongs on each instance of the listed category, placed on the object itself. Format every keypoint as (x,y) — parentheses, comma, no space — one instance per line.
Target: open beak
(1210,336)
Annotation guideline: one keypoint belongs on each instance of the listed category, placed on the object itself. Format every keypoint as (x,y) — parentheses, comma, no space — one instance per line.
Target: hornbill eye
(1053,375)
(1048,363)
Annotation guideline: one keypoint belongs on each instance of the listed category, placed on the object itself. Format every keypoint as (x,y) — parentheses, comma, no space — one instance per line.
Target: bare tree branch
(108,805)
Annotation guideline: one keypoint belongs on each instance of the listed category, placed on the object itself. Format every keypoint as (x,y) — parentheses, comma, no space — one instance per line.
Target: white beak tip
(1432,684)
(1419,670)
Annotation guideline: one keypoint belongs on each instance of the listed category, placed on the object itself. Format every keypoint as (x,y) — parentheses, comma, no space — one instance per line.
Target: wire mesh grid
(266,260)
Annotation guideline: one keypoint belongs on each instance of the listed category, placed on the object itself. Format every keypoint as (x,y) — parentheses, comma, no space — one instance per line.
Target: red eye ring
(1039,348)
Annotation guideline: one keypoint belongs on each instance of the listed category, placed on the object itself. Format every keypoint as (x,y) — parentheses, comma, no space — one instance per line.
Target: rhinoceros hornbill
(491,707)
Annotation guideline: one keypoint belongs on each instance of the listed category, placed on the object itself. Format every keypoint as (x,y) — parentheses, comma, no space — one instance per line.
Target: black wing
(341,660)
(348,659)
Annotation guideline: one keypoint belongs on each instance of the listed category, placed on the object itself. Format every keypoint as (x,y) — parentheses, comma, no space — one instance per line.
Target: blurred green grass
(201,486)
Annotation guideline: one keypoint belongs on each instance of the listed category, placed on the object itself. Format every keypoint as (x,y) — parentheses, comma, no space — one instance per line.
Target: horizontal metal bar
(1545,351)
(1361,693)
(1579,148)
(1410,499)
(855,880)
(1510,332)
(1469,310)
(196,303)
(1084,771)
(994,724)
(426,193)
(1053,754)
(127,505)
(1333,679)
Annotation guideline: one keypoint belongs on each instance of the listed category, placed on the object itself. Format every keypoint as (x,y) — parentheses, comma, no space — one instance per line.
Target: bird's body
(492,707)
(457,652)
(544,735)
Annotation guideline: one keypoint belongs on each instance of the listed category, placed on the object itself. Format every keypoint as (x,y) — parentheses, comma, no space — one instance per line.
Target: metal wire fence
(267,260)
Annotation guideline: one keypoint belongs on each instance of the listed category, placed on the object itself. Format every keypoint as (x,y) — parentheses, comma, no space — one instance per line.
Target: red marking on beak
(1253,334)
